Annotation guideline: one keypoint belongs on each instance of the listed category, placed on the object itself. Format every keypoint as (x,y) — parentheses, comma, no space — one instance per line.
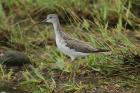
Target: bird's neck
(57,29)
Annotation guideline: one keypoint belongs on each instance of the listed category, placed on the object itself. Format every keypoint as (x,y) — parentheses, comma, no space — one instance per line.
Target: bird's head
(51,18)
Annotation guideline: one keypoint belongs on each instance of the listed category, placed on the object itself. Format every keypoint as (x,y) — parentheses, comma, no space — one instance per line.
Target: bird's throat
(57,29)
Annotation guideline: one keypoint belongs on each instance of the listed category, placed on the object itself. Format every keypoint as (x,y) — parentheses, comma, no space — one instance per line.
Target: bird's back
(80,46)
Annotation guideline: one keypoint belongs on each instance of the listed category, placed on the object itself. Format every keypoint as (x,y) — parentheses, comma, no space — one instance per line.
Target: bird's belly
(70,52)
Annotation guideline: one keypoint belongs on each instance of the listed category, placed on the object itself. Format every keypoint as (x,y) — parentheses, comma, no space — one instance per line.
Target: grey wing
(81,46)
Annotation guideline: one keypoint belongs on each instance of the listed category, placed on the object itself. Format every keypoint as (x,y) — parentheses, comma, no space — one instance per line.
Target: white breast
(66,50)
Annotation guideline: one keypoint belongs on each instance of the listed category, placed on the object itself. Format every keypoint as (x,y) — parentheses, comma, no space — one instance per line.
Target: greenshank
(70,46)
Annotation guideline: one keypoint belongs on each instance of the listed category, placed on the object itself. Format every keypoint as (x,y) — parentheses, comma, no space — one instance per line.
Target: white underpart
(66,50)
(61,44)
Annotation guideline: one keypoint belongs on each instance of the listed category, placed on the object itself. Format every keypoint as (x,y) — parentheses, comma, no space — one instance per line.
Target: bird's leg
(74,70)
(74,67)
(68,65)
(72,59)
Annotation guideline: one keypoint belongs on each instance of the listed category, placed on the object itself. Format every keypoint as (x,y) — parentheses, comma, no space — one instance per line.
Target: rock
(13,58)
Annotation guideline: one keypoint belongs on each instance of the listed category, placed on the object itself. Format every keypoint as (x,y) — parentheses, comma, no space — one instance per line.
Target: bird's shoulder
(71,40)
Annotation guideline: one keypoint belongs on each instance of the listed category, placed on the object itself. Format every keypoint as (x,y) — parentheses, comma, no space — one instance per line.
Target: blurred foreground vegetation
(110,24)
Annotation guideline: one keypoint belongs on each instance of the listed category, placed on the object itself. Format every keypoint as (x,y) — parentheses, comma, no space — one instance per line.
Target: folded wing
(81,46)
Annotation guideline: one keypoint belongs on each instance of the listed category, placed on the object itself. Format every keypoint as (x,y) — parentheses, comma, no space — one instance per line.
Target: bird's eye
(50,17)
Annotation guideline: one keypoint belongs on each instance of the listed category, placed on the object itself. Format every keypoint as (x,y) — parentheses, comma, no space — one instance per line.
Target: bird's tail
(103,51)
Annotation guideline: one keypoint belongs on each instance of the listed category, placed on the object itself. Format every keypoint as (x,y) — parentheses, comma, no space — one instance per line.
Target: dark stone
(13,58)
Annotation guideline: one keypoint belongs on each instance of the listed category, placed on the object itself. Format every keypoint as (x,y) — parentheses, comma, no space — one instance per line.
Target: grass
(102,23)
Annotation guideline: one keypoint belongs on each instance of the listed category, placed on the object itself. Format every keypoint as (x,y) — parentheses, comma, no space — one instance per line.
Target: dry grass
(102,23)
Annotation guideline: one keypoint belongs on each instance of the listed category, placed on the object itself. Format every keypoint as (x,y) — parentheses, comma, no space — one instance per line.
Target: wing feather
(80,46)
